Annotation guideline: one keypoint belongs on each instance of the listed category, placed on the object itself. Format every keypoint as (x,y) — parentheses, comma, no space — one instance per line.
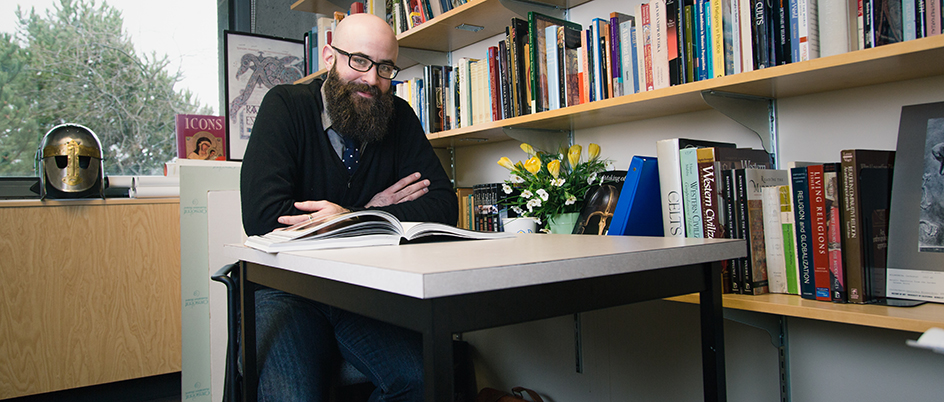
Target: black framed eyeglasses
(364,64)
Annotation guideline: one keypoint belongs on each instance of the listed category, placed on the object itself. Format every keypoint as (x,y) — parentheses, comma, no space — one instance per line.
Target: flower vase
(563,223)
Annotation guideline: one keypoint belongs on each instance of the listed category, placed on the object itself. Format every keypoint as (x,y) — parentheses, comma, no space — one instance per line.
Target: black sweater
(290,158)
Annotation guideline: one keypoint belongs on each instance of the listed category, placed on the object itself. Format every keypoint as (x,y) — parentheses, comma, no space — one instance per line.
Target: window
(122,68)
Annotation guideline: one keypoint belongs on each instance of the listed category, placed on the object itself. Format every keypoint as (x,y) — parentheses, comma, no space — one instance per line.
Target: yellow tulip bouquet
(551,184)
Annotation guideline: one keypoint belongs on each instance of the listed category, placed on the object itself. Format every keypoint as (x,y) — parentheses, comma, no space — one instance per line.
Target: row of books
(480,209)
(815,229)
(881,22)
(315,40)
(544,63)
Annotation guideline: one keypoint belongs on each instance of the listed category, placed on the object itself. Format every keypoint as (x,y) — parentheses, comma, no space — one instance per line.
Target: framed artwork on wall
(915,264)
(253,64)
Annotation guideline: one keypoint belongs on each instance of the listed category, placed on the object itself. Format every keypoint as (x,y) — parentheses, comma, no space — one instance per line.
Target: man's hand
(406,189)
(319,211)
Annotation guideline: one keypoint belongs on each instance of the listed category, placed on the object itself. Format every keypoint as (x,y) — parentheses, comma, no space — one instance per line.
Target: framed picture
(915,267)
(254,64)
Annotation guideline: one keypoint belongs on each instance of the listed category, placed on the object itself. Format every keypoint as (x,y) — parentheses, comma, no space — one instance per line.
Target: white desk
(439,289)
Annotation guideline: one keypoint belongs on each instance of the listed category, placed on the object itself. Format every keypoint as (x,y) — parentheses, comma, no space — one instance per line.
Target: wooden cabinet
(90,292)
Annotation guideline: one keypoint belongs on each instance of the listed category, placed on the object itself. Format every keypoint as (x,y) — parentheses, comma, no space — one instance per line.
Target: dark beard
(364,119)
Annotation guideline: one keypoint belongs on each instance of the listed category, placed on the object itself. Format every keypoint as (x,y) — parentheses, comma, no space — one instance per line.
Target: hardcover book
(369,227)
(837,277)
(750,185)
(804,235)
(691,201)
(875,202)
(599,204)
(201,137)
(732,208)
(788,227)
(819,219)
(773,240)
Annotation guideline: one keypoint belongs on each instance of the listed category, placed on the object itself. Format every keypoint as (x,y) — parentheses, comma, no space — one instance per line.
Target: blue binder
(638,211)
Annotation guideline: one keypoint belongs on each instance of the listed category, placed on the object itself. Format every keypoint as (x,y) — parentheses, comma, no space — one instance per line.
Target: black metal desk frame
(437,319)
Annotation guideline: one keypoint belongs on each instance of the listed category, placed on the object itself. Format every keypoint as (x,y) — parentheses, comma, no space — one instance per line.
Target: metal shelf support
(421,56)
(522,7)
(757,113)
(776,328)
(545,140)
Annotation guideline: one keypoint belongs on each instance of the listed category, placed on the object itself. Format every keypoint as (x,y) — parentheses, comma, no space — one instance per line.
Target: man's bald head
(365,34)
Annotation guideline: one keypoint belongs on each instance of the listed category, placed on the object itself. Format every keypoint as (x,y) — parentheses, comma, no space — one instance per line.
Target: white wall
(650,351)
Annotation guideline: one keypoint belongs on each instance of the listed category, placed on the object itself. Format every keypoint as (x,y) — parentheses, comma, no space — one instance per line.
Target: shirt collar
(325,118)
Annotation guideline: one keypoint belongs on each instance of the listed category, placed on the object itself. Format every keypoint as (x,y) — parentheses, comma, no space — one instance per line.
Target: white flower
(526,194)
(543,194)
(517,210)
(506,188)
(515,179)
(570,200)
(533,203)
(592,178)
(558,182)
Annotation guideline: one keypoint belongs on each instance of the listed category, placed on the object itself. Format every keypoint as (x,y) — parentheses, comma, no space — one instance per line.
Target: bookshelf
(913,319)
(885,64)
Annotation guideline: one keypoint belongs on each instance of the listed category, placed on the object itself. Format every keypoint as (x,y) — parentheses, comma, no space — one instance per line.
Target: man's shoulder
(305,90)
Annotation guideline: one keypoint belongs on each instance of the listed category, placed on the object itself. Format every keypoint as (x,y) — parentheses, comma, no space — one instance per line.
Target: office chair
(351,385)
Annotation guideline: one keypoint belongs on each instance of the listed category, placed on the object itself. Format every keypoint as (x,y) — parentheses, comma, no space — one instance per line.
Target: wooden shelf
(311,77)
(914,319)
(890,63)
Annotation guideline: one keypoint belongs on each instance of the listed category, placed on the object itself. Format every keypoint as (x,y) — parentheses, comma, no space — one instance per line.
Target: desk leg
(250,382)
(437,365)
(712,335)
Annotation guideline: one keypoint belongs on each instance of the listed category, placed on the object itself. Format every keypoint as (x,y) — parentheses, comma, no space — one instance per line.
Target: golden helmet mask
(70,157)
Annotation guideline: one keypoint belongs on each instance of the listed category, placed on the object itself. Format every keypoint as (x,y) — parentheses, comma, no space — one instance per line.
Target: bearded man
(318,149)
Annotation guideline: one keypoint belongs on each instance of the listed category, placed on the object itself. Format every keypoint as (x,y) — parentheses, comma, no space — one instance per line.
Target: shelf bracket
(544,140)
(757,113)
(411,56)
(776,328)
(522,7)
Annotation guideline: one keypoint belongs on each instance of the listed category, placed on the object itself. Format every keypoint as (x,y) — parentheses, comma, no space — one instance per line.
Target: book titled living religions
(201,137)
(369,227)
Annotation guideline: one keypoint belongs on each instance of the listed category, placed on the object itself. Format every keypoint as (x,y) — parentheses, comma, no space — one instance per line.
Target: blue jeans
(300,342)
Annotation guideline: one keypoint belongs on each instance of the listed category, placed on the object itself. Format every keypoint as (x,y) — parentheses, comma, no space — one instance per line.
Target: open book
(369,227)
